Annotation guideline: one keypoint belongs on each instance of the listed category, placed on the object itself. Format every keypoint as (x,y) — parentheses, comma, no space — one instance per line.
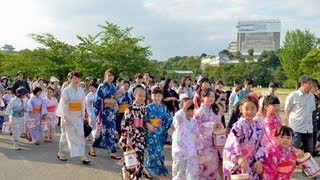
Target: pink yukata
(270,125)
(50,109)
(246,140)
(203,115)
(185,143)
(280,163)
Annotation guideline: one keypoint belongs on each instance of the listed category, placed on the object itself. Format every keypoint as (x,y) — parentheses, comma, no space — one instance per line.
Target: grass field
(281,93)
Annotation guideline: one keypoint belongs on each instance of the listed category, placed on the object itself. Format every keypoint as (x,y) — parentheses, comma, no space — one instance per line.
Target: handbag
(6,127)
(99,124)
(130,159)
(87,129)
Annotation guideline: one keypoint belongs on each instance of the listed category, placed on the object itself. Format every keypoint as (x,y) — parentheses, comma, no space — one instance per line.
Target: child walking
(185,143)
(282,156)
(134,131)
(244,150)
(15,110)
(208,119)
(158,121)
(90,98)
(124,101)
(36,110)
(50,109)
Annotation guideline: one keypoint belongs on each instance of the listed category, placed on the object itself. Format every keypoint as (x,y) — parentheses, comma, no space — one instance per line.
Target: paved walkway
(40,162)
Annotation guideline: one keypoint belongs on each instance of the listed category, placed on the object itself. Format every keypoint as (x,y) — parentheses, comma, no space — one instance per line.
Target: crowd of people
(139,117)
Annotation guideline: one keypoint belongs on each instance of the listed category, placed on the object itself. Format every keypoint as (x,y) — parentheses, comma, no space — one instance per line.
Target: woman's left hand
(258,167)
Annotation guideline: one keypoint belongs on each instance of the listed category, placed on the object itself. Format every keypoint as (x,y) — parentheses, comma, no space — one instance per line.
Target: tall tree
(311,63)
(296,45)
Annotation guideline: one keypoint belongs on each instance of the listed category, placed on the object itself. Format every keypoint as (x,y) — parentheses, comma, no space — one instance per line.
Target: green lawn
(281,93)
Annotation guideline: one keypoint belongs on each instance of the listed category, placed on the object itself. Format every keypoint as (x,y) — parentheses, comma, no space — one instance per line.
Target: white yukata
(51,106)
(16,109)
(90,98)
(72,135)
(185,143)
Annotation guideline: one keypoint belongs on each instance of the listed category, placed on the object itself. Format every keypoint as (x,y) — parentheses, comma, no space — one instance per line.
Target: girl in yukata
(133,132)
(15,110)
(51,105)
(158,121)
(90,98)
(185,143)
(124,101)
(2,108)
(207,115)
(244,150)
(282,156)
(272,121)
(36,111)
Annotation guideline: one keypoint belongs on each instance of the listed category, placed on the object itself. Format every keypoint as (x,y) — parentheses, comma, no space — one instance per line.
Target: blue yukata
(105,140)
(124,101)
(36,109)
(2,110)
(160,118)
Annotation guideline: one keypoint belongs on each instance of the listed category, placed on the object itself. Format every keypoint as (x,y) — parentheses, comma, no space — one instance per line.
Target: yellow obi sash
(74,106)
(156,122)
(36,109)
(123,107)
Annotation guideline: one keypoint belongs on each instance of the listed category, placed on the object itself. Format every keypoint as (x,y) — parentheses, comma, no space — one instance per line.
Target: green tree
(311,63)
(296,45)
(250,52)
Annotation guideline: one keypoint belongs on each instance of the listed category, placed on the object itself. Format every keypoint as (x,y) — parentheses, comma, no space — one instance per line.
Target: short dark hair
(273,85)
(156,90)
(36,90)
(284,130)
(76,74)
(94,84)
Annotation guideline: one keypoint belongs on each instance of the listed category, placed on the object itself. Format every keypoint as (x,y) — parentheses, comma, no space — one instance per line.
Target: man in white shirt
(298,114)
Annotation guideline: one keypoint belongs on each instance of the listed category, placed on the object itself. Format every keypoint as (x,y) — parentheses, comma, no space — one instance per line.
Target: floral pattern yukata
(280,163)
(107,138)
(36,109)
(245,139)
(185,143)
(137,135)
(156,139)
(270,125)
(51,106)
(208,152)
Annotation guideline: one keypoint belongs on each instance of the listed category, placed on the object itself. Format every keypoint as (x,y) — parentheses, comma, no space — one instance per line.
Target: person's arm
(287,109)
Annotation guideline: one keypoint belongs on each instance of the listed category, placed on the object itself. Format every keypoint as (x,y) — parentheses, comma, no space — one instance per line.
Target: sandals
(62,158)
(115,157)
(92,154)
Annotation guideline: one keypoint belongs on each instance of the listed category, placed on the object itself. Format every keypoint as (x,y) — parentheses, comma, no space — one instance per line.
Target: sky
(170,27)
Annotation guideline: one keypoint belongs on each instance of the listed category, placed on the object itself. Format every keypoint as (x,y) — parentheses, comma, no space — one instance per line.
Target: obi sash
(156,122)
(75,106)
(123,107)
(286,167)
(36,109)
(107,105)
(51,108)
(137,123)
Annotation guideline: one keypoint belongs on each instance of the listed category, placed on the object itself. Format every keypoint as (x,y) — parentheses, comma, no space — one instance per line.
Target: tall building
(233,47)
(258,35)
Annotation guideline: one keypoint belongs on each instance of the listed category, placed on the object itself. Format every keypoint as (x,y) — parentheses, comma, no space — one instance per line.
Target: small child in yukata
(8,96)
(220,151)
(158,121)
(282,156)
(208,120)
(123,102)
(50,109)
(244,151)
(15,110)
(90,98)
(185,143)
